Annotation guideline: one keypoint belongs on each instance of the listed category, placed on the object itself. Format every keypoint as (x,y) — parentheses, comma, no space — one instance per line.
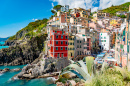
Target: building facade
(58,44)
(104,41)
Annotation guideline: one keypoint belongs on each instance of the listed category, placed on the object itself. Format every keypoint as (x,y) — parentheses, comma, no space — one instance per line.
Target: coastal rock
(22,53)
(51,68)
(14,70)
(28,76)
(59,84)
(6,70)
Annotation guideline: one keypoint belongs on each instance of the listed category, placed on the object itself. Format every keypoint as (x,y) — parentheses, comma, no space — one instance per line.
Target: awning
(100,55)
(112,60)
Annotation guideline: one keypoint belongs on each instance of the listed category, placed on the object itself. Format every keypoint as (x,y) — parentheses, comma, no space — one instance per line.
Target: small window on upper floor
(57,36)
(61,42)
(65,48)
(66,37)
(66,43)
(61,37)
(56,42)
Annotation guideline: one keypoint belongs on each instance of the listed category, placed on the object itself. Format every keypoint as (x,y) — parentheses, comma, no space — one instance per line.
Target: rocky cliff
(23,53)
(44,68)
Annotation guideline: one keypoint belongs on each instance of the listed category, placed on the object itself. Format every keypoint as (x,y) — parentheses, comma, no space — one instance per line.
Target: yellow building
(113,21)
(83,13)
(71,47)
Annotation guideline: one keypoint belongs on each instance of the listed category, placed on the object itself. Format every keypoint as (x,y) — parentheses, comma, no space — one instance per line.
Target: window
(104,37)
(56,42)
(78,52)
(73,43)
(66,43)
(104,40)
(56,48)
(77,46)
(61,42)
(55,31)
(79,30)
(57,36)
(71,54)
(65,48)
(58,55)
(101,37)
(87,44)
(77,41)
(87,48)
(51,37)
(61,48)
(70,48)
(65,37)
(101,40)
(80,46)
(70,43)
(84,39)
(62,55)
(61,37)
(80,41)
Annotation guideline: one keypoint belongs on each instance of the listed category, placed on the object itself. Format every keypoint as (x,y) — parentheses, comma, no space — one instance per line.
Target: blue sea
(3,46)
(5,79)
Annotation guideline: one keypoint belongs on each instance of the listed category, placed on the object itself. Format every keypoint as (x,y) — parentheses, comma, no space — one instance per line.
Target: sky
(16,14)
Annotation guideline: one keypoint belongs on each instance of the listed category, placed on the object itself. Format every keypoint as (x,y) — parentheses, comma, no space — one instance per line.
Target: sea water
(1,43)
(5,78)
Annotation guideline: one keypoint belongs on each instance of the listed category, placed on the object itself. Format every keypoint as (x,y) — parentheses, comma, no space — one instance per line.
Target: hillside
(113,9)
(29,29)
(25,45)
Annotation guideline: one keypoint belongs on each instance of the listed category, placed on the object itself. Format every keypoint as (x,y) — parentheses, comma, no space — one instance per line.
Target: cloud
(107,3)
(52,4)
(94,9)
(86,4)
(34,19)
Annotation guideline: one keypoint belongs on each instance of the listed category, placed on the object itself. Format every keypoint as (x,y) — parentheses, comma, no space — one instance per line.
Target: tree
(53,11)
(70,10)
(57,7)
(121,16)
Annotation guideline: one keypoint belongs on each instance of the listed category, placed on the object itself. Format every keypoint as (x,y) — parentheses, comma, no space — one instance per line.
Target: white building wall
(104,41)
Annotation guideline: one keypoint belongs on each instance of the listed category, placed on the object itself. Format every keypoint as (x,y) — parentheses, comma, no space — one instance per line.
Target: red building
(77,14)
(58,45)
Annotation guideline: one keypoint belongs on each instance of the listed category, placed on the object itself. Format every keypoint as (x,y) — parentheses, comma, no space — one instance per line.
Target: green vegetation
(12,37)
(113,9)
(57,7)
(110,77)
(89,63)
(53,11)
(29,29)
(121,16)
